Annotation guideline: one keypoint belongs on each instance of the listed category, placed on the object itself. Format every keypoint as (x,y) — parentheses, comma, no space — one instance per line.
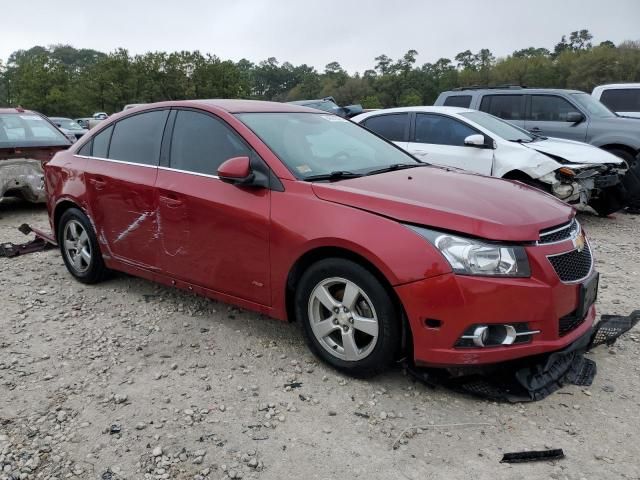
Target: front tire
(79,247)
(348,317)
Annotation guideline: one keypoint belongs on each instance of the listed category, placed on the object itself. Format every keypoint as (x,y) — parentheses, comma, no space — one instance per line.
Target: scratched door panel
(124,207)
(215,234)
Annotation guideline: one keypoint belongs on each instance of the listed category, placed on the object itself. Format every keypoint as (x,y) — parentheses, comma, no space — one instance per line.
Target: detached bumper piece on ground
(535,378)
(40,243)
(533,456)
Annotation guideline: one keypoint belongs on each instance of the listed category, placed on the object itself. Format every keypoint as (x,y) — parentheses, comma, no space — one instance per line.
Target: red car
(305,216)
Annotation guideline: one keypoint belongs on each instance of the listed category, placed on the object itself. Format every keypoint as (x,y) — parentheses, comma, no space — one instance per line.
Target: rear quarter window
(463,101)
(392,126)
(622,99)
(101,143)
(507,107)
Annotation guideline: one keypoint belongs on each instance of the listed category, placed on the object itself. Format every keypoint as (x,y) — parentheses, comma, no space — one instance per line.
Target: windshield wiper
(335,175)
(521,140)
(397,166)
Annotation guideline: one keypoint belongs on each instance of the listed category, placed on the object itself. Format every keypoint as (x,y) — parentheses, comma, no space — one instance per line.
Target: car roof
(510,90)
(617,85)
(425,109)
(15,110)
(232,106)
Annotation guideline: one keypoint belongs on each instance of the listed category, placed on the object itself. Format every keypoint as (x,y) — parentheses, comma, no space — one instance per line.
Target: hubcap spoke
(74,230)
(86,256)
(77,262)
(324,296)
(349,345)
(366,325)
(351,293)
(83,239)
(325,327)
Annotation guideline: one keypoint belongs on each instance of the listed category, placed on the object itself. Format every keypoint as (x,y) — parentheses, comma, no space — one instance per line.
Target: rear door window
(441,130)
(507,107)
(393,127)
(101,143)
(137,139)
(622,99)
(550,108)
(201,143)
(458,101)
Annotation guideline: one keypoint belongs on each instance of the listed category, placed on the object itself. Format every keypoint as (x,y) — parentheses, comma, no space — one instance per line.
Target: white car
(575,172)
(622,98)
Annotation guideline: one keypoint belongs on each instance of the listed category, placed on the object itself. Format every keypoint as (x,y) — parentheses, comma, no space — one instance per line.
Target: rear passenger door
(439,139)
(120,177)
(510,107)
(392,126)
(211,233)
(547,115)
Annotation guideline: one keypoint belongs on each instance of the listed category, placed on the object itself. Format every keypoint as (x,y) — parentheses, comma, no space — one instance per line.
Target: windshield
(29,130)
(66,123)
(595,107)
(499,127)
(312,144)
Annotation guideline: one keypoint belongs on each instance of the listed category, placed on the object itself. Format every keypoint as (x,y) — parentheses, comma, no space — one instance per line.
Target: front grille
(570,322)
(574,265)
(558,234)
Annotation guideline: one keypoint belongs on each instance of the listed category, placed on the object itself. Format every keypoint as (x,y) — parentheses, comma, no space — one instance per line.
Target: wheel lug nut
(350,319)
(345,328)
(335,321)
(336,309)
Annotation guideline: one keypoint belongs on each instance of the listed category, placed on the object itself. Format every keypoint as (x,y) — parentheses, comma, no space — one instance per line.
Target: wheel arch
(314,255)
(61,207)
(619,146)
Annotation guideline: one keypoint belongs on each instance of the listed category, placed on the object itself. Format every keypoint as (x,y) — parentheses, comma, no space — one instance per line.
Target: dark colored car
(305,216)
(27,141)
(72,129)
(329,104)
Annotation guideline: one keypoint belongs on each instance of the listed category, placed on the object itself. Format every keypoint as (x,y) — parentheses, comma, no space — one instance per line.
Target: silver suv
(550,112)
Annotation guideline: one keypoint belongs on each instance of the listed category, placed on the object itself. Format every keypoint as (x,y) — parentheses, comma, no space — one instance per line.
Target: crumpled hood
(574,152)
(472,204)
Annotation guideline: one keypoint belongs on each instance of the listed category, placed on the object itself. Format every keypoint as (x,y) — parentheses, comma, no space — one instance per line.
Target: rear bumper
(457,302)
(23,177)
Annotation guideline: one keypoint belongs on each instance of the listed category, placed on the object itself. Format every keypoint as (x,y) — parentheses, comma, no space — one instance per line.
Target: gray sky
(313,32)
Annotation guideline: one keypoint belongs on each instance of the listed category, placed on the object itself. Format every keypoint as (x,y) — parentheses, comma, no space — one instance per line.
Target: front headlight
(468,256)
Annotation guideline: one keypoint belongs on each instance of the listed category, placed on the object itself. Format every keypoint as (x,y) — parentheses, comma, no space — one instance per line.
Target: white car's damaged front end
(577,173)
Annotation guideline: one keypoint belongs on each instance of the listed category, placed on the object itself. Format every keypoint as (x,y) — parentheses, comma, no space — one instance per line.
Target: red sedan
(305,216)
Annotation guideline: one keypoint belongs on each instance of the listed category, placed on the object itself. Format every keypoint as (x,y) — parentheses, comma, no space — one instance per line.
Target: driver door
(548,117)
(439,139)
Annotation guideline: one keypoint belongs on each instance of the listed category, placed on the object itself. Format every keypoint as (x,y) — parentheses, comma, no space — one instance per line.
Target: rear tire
(79,247)
(348,317)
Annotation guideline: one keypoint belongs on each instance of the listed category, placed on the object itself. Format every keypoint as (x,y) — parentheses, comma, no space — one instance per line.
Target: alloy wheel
(343,319)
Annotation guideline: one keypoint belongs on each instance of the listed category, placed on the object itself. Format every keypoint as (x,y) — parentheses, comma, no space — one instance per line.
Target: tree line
(62,80)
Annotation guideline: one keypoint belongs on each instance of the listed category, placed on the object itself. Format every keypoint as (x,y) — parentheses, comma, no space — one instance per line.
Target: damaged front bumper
(599,187)
(22,177)
(535,378)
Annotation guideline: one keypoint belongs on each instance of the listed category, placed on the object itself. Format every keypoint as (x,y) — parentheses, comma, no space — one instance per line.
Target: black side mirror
(575,117)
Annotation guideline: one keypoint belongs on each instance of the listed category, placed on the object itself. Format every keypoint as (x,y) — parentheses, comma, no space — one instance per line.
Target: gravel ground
(127,379)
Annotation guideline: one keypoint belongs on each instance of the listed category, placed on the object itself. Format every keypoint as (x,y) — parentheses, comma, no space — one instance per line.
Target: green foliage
(62,80)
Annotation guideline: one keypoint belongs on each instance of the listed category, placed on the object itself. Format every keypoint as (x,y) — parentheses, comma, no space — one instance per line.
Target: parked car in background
(83,122)
(622,98)
(132,105)
(70,128)
(100,116)
(569,114)
(329,104)
(575,172)
(27,141)
(306,216)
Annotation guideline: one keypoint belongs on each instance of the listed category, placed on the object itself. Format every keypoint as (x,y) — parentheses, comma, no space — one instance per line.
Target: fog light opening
(496,335)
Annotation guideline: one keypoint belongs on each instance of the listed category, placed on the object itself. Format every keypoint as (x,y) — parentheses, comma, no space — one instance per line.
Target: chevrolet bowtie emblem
(578,242)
